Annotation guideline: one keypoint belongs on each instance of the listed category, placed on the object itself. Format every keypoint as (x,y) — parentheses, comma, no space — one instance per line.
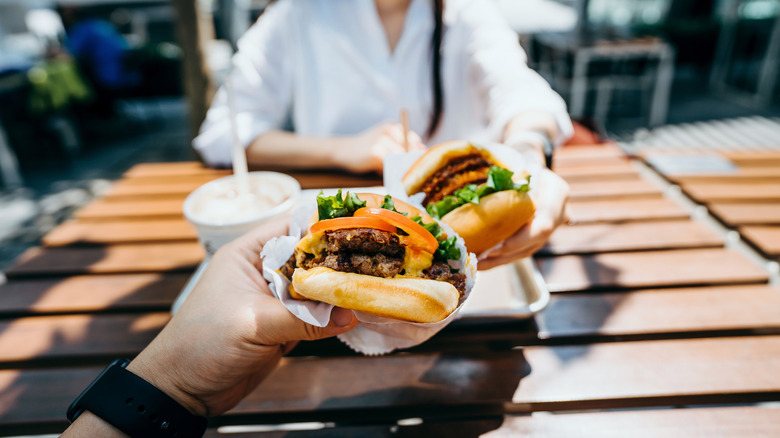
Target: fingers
(415,142)
(280,326)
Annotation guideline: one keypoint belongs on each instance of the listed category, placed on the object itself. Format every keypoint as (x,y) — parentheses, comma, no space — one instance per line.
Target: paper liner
(373,335)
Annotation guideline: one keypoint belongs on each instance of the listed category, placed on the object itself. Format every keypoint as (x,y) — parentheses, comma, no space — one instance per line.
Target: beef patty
(469,169)
(367,251)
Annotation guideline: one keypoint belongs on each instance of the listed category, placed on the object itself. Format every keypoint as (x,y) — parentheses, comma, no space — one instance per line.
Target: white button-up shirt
(324,68)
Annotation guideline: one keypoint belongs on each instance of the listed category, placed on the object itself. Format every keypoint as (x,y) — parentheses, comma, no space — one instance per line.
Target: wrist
(162,377)
(533,142)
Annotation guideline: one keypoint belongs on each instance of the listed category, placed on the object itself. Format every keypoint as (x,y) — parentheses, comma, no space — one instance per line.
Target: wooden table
(745,198)
(649,309)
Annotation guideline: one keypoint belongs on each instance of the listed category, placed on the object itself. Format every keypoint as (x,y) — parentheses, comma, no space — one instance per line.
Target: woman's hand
(366,151)
(230,332)
(553,192)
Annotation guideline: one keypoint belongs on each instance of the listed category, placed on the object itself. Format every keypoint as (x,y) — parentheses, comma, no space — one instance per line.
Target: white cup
(220,215)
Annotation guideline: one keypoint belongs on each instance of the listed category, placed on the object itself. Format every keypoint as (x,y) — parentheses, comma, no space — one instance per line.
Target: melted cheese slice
(415,261)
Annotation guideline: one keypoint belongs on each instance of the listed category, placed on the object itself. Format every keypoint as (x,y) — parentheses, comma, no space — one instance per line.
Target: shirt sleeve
(499,67)
(261,78)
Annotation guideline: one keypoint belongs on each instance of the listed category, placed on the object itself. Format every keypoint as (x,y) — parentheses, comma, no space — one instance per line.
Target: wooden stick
(405,124)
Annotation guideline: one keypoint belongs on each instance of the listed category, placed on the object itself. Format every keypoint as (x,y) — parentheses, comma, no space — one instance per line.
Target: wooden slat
(705,193)
(587,160)
(90,293)
(573,273)
(721,422)
(735,214)
(765,238)
(631,236)
(754,158)
(625,374)
(598,150)
(131,210)
(301,386)
(336,179)
(172,179)
(584,190)
(649,313)
(741,174)
(185,168)
(109,259)
(123,189)
(73,232)
(600,172)
(625,210)
(74,336)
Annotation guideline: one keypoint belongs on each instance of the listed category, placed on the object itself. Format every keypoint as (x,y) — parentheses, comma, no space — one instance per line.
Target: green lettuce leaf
(388,204)
(498,179)
(331,207)
(447,250)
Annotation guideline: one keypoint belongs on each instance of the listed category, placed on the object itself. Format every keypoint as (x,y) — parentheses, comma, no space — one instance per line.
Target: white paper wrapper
(373,335)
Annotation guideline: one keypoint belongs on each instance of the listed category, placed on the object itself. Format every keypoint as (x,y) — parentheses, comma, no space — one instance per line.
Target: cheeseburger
(377,255)
(470,190)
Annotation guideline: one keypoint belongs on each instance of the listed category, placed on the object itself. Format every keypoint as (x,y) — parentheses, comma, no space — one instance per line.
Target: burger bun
(407,299)
(496,217)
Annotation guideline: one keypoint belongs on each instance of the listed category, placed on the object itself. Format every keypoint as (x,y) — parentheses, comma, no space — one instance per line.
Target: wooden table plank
(598,150)
(735,214)
(625,210)
(740,175)
(123,189)
(90,293)
(184,168)
(765,238)
(173,179)
(100,210)
(305,387)
(670,268)
(753,158)
(652,313)
(631,236)
(600,172)
(722,422)
(109,259)
(587,160)
(76,336)
(586,190)
(706,193)
(103,233)
(647,373)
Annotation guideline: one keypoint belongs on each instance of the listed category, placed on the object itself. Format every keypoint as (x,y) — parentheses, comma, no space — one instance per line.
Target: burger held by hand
(470,190)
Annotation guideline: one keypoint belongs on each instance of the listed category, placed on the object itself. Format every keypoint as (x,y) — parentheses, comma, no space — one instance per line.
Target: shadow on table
(458,395)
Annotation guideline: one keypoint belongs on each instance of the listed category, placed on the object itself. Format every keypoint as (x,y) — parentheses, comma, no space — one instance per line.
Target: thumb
(282,326)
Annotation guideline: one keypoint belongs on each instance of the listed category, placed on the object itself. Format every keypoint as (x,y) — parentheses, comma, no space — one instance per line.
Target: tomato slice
(352,222)
(418,237)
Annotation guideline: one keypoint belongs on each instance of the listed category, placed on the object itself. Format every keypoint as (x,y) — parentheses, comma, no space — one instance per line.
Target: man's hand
(230,332)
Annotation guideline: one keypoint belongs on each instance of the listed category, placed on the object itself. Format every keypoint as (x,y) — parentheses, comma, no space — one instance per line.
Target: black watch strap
(135,406)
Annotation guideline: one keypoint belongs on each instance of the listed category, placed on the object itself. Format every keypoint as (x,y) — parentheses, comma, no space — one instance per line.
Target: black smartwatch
(135,406)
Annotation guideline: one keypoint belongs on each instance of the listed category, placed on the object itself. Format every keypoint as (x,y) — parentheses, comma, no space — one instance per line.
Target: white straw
(239,156)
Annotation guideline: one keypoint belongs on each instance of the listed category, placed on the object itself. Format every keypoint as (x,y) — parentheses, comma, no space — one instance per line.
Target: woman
(319,83)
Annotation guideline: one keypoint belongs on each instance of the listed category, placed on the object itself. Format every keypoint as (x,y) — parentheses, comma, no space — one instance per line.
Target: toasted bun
(437,157)
(496,217)
(408,299)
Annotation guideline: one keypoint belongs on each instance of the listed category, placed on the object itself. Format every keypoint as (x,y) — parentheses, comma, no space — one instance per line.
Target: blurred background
(90,87)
